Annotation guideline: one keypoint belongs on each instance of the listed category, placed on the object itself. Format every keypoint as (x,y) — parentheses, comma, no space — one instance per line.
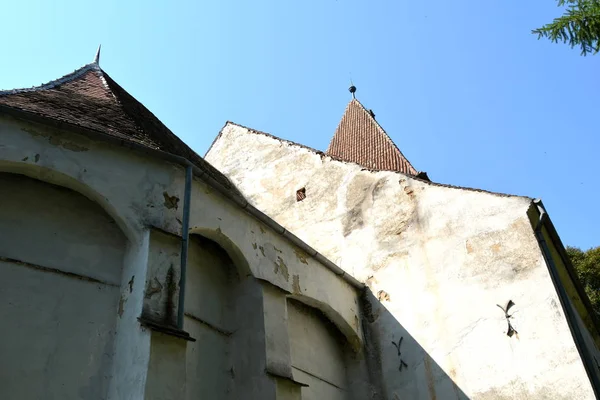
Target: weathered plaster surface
(268,256)
(166,372)
(162,278)
(132,344)
(438,259)
(209,319)
(55,227)
(317,354)
(277,338)
(60,259)
(249,345)
(583,319)
(141,195)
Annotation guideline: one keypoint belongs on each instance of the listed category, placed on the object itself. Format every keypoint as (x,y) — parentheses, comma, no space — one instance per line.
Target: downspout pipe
(590,368)
(185,236)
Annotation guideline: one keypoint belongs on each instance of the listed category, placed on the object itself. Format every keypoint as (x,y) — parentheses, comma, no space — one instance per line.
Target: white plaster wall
(248,344)
(132,344)
(133,189)
(166,379)
(57,339)
(317,354)
(583,320)
(212,279)
(226,360)
(161,294)
(262,253)
(438,258)
(209,319)
(57,228)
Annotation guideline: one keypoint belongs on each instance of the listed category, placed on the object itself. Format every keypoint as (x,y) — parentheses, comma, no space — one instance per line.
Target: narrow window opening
(300,194)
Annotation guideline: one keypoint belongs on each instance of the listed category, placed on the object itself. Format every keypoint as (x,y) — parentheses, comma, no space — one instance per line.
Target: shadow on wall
(397,363)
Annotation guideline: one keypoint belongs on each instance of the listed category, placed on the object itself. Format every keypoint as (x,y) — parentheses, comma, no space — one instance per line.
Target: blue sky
(463,88)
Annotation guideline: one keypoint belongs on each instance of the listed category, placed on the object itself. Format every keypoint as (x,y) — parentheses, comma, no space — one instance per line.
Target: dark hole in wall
(300,194)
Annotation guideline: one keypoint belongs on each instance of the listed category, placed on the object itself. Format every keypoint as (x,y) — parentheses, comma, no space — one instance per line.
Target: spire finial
(97,58)
(352,90)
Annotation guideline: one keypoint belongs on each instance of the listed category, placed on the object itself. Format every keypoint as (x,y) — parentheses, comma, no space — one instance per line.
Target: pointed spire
(97,58)
(361,140)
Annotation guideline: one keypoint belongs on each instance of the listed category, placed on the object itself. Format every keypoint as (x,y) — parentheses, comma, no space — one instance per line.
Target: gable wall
(437,259)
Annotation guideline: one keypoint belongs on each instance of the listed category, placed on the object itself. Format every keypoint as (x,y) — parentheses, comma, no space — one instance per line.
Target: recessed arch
(319,352)
(61,256)
(49,175)
(334,317)
(213,295)
(233,251)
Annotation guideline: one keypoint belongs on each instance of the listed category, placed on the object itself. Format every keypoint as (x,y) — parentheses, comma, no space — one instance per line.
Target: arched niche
(334,317)
(214,290)
(61,260)
(224,313)
(49,175)
(233,251)
(319,353)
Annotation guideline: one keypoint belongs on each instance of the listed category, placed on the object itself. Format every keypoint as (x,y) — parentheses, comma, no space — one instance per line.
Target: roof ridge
(56,82)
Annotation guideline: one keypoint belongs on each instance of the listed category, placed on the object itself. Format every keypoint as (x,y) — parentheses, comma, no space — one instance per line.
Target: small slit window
(300,194)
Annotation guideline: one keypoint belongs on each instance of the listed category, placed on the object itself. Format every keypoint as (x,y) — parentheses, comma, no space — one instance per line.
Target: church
(133,268)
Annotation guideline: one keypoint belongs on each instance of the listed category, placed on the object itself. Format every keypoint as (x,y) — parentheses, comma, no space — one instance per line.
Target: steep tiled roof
(90,99)
(360,139)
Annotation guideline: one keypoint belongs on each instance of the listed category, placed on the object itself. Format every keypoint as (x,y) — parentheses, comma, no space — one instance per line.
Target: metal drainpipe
(185,234)
(564,301)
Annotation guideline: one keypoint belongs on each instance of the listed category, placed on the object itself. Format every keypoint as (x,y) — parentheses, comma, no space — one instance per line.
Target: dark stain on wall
(131,283)
(398,347)
(170,310)
(171,201)
(382,295)
(353,220)
(122,301)
(296,284)
(280,266)
(301,256)
(154,287)
(510,330)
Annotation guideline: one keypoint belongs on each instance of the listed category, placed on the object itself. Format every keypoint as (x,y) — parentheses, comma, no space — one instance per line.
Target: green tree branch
(578,26)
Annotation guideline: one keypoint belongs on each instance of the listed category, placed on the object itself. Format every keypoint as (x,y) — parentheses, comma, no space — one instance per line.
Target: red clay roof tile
(360,139)
(90,99)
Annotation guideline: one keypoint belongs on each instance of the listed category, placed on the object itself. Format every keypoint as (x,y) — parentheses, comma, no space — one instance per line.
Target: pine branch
(578,26)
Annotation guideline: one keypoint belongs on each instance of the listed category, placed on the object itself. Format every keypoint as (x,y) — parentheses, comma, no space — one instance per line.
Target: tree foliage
(587,265)
(578,26)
